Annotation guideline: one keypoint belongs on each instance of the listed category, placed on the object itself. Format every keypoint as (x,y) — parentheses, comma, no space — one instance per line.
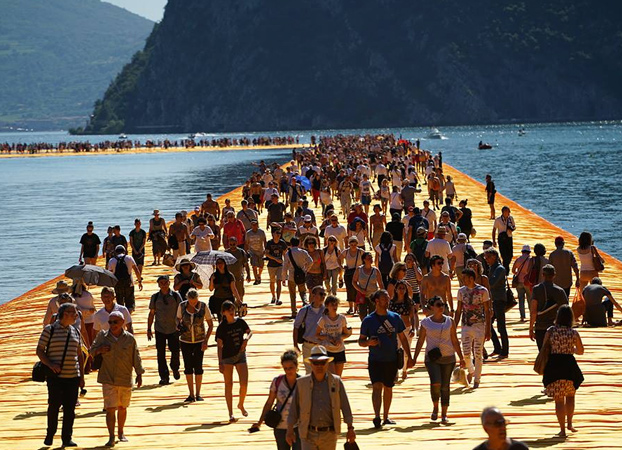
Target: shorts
(276,273)
(338,357)
(366,199)
(491,198)
(382,372)
(240,358)
(116,396)
(239,285)
(256,259)
(139,258)
(417,298)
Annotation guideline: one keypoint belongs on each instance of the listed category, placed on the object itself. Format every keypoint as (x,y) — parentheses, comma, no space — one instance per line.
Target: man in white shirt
(430,215)
(201,236)
(334,229)
(439,246)
(101,317)
(503,227)
(124,289)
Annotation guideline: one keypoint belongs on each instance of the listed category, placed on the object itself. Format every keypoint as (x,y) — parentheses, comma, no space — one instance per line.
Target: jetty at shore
(158,418)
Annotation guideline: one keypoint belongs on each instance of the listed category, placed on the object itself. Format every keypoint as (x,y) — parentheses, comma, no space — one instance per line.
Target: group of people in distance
(389,258)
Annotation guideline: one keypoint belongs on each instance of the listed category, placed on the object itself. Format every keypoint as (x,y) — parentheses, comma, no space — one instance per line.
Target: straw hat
(184,261)
(318,353)
(459,376)
(156,211)
(61,287)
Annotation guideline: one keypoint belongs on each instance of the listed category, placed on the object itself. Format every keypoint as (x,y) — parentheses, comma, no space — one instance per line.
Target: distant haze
(151,9)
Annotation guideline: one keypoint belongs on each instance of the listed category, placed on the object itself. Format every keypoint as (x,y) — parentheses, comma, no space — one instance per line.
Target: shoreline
(149,424)
(147,150)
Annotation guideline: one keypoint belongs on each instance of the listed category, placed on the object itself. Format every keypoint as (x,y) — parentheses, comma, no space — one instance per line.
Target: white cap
(462,237)
(307,218)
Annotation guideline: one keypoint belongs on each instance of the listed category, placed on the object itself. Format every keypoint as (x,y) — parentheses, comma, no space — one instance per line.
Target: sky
(151,9)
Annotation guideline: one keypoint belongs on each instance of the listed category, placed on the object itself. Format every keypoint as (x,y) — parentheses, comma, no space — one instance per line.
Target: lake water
(567,173)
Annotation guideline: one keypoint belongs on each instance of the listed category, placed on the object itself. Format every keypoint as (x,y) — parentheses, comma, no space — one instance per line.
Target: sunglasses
(318,363)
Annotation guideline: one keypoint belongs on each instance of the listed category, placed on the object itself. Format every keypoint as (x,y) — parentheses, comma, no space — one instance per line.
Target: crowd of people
(124,144)
(393,267)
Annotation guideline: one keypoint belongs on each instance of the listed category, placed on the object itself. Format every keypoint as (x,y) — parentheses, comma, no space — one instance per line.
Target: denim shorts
(240,358)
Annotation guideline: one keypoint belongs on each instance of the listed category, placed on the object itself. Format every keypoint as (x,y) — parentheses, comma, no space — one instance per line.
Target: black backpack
(385,263)
(120,269)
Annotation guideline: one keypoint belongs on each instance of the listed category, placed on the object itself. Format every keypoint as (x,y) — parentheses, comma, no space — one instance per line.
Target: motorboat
(483,146)
(522,132)
(123,136)
(435,134)
(197,135)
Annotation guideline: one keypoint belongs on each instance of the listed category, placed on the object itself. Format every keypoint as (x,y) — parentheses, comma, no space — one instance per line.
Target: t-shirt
(246,215)
(415,222)
(118,240)
(473,304)
(129,262)
(203,241)
(396,229)
(90,243)
(255,241)
(138,237)
(55,344)
(276,250)
(385,328)
(165,307)
(594,313)
(276,211)
(339,232)
(514,445)
(440,247)
(232,336)
(100,318)
(549,297)
(332,329)
(237,268)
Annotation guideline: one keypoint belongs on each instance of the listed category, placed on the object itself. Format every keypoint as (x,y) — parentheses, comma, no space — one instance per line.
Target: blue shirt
(386,328)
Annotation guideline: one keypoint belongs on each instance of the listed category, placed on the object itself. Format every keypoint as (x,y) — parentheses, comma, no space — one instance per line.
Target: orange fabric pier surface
(158,418)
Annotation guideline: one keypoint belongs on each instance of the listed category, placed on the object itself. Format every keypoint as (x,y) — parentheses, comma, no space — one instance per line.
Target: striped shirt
(56,347)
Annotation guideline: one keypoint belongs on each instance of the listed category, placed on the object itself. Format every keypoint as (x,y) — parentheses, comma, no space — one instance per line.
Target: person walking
(232,336)
(332,329)
(122,265)
(305,323)
(59,349)
(223,284)
(281,390)
(497,280)
(546,299)
(380,332)
(520,269)
(350,259)
(502,230)
(163,309)
(192,315)
(89,246)
(100,318)
(138,239)
(438,331)
(318,402)
(565,263)
(495,427)
(119,353)
(385,256)
(296,263)
(178,233)
(332,253)
(187,278)
(401,303)
(157,236)
(367,280)
(475,314)
(562,375)
(255,245)
(275,250)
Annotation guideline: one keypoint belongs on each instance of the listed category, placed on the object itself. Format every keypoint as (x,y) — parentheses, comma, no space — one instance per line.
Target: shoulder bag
(516,275)
(399,353)
(510,300)
(302,328)
(273,416)
(597,261)
(360,297)
(41,372)
(299,274)
(543,357)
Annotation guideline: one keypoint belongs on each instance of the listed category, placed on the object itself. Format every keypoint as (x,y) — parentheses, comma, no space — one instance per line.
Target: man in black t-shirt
(89,248)
(396,228)
(495,426)
(275,248)
(276,210)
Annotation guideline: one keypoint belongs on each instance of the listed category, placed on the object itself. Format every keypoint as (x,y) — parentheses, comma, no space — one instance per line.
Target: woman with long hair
(281,390)
(316,273)
(438,331)
(562,375)
(333,267)
(332,329)
(232,336)
(588,254)
(367,280)
(350,259)
(222,283)
(401,303)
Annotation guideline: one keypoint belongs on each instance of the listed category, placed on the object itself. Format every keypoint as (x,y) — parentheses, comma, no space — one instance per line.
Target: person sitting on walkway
(595,307)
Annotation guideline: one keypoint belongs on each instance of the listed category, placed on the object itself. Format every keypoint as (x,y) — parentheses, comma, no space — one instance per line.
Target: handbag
(43,372)
(543,358)
(597,261)
(273,416)
(168,260)
(510,301)
(302,328)
(515,277)
(360,297)
(434,354)
(399,353)
(299,275)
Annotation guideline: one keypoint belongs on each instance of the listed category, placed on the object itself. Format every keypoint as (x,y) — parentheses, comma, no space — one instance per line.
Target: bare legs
(381,396)
(564,410)
(111,414)
(242,370)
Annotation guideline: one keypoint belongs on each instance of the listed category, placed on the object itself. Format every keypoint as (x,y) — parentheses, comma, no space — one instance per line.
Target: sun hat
(462,237)
(183,262)
(460,376)
(61,287)
(353,239)
(526,249)
(116,314)
(318,353)
(156,211)
(308,218)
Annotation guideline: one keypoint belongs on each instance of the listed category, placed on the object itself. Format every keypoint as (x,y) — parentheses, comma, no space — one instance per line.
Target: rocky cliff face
(239,65)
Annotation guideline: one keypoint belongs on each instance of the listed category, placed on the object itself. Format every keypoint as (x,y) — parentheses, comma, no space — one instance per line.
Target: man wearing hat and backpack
(61,288)
(318,402)
(122,266)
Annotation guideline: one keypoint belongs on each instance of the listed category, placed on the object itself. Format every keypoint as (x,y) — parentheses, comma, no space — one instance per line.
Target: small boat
(522,132)
(484,146)
(197,135)
(436,134)
(123,136)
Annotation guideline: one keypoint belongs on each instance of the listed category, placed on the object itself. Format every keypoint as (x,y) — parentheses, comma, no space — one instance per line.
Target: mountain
(59,56)
(240,65)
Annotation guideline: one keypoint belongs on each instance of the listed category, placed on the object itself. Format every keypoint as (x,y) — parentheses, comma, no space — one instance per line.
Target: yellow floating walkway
(159,419)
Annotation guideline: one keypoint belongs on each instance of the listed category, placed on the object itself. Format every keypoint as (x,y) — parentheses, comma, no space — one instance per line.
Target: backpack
(120,269)
(299,275)
(419,251)
(385,264)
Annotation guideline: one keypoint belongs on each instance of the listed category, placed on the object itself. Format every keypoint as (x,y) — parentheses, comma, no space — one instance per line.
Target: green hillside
(59,56)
